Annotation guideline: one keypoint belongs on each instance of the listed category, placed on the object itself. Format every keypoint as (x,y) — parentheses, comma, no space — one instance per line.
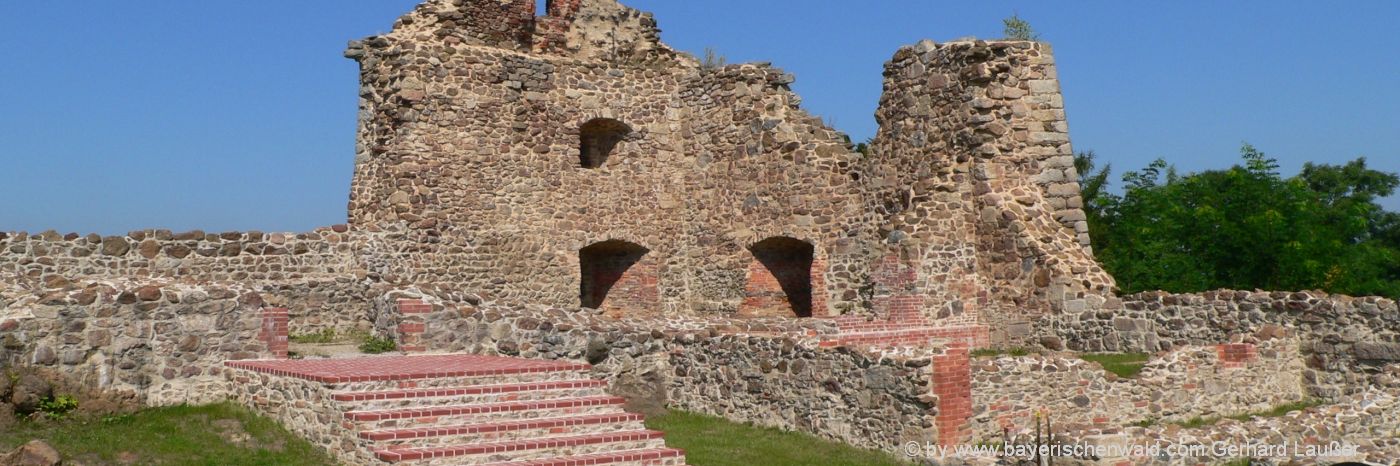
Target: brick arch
(618,277)
(784,280)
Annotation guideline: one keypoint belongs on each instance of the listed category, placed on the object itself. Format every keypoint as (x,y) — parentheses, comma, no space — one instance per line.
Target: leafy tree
(1246,227)
(1016,28)
(1094,191)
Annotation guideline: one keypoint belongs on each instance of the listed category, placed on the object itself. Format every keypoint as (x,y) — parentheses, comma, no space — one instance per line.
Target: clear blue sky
(240,115)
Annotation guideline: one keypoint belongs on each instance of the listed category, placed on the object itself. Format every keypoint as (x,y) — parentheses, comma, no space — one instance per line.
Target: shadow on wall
(598,138)
(780,279)
(612,268)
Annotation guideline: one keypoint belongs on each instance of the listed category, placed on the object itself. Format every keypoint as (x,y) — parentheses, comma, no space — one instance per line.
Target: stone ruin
(563,185)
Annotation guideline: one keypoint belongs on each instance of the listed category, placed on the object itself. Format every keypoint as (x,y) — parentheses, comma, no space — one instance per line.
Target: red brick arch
(784,280)
(618,277)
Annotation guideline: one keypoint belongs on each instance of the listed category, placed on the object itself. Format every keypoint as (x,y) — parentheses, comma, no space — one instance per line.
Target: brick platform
(455,409)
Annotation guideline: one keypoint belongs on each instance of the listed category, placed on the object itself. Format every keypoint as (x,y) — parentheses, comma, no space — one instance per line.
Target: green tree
(1246,227)
(1094,193)
(1015,28)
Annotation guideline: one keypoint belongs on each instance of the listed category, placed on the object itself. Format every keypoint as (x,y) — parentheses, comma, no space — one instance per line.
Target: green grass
(221,434)
(1126,365)
(997,352)
(711,441)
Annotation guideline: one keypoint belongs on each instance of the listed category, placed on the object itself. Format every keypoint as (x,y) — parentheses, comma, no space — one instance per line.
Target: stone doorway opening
(615,277)
(597,139)
(779,279)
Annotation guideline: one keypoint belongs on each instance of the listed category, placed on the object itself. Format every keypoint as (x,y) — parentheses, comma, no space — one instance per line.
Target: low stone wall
(1362,427)
(52,260)
(339,304)
(1194,381)
(770,372)
(1346,341)
(304,407)
(163,345)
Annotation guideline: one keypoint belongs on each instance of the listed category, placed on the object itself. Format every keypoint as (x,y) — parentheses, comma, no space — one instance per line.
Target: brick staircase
(456,410)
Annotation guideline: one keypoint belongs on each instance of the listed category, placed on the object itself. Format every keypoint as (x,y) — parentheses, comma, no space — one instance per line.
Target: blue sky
(240,115)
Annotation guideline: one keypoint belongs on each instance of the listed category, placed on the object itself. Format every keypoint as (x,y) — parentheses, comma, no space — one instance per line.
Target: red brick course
(952,382)
(403,367)
(494,427)
(1237,354)
(274,331)
(434,411)
(411,326)
(502,447)
(472,390)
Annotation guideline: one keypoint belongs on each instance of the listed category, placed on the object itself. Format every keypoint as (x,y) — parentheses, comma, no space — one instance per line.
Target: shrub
(57,407)
(377,345)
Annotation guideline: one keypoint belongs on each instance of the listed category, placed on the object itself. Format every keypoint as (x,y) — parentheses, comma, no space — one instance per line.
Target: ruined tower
(571,158)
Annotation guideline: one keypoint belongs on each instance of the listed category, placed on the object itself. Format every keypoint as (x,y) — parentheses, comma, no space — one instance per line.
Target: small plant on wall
(377,345)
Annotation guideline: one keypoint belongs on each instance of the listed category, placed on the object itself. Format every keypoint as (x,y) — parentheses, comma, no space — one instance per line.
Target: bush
(57,407)
(377,345)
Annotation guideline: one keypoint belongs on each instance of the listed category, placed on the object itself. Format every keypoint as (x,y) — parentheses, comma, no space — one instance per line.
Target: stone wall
(479,143)
(1345,340)
(771,372)
(984,198)
(53,260)
(1196,381)
(162,345)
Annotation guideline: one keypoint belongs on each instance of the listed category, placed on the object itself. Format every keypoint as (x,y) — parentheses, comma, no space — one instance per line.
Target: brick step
(651,457)
(500,393)
(504,430)
(527,450)
(437,416)
(449,381)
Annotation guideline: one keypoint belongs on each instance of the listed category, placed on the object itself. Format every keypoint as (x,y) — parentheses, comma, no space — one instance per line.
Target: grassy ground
(711,441)
(1126,365)
(226,434)
(222,434)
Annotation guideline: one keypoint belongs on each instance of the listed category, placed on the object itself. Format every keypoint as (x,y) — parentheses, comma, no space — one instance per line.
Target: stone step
(650,457)
(437,416)
(423,371)
(505,430)
(499,393)
(526,450)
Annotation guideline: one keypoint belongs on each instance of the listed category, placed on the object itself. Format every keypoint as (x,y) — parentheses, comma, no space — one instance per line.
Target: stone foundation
(1176,386)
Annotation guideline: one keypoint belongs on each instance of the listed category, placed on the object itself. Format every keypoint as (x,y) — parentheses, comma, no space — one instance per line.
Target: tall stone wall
(490,147)
(974,157)
(484,144)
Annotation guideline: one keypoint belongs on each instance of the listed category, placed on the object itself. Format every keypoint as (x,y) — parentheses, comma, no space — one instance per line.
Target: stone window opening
(780,278)
(597,140)
(604,266)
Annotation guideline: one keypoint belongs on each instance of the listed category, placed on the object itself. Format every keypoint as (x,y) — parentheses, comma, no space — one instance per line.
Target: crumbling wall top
(594,30)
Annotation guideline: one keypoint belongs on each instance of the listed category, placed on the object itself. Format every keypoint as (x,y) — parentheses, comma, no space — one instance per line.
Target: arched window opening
(598,138)
(779,279)
(611,278)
